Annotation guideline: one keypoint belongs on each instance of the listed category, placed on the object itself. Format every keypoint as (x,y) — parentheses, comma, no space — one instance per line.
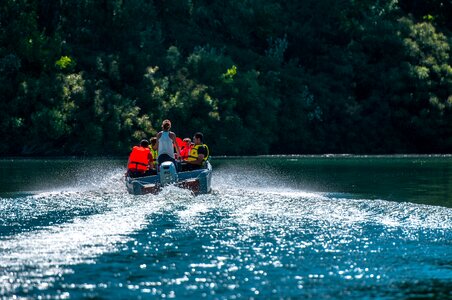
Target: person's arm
(158,138)
(173,137)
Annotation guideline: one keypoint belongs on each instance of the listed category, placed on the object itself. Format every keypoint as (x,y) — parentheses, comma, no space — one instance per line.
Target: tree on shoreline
(257,77)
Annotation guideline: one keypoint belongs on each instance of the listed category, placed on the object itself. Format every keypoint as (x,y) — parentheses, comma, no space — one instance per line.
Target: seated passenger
(141,162)
(153,148)
(185,149)
(199,153)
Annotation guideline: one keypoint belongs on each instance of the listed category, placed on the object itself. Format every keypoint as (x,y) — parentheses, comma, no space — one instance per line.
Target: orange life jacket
(139,159)
(185,150)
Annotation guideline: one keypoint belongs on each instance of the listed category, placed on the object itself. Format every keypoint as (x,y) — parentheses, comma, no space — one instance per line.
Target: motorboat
(198,181)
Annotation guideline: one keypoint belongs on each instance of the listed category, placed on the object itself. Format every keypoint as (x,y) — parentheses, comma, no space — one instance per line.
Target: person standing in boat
(199,153)
(141,162)
(166,142)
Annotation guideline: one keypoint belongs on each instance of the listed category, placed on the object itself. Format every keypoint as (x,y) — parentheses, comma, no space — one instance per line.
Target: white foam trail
(91,194)
(300,205)
(48,252)
(246,211)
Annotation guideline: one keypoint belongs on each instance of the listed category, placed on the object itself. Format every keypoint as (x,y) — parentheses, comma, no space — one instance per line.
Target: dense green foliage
(256,76)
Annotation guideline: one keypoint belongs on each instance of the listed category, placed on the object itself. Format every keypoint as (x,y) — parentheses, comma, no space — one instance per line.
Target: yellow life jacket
(154,154)
(194,152)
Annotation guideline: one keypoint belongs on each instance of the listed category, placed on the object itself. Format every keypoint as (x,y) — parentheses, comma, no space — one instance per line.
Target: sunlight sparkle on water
(239,242)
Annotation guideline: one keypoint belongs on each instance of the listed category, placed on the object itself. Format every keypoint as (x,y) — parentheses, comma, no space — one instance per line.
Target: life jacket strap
(139,163)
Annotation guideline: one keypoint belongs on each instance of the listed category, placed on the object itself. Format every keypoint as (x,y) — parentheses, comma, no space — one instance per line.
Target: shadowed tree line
(90,77)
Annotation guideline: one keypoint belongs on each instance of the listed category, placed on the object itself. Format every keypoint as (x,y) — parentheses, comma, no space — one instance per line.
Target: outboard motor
(167,173)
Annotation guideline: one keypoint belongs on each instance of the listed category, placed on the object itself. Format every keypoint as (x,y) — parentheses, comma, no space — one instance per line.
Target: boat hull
(198,181)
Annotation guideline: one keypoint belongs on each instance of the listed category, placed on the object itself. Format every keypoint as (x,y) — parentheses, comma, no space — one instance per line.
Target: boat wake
(251,230)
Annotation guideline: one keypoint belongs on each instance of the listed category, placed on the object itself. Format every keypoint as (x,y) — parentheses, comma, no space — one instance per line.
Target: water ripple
(247,242)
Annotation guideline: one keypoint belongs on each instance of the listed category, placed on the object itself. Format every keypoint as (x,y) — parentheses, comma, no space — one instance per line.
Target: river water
(293,227)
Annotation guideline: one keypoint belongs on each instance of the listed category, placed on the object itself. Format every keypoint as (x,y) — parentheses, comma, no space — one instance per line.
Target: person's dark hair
(200,136)
(153,141)
(144,143)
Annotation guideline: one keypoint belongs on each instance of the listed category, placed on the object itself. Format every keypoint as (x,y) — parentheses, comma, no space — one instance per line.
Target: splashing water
(262,238)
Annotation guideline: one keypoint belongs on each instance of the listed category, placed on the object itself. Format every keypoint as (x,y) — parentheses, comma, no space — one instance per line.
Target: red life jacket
(185,150)
(139,159)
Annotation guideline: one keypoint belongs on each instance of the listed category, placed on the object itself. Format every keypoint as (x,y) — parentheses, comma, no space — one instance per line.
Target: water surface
(337,227)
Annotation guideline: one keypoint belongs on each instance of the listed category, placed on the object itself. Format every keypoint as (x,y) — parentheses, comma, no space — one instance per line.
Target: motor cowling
(168,173)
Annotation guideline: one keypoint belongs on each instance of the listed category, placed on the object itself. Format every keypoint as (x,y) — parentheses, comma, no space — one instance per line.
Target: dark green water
(325,227)
(417,179)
